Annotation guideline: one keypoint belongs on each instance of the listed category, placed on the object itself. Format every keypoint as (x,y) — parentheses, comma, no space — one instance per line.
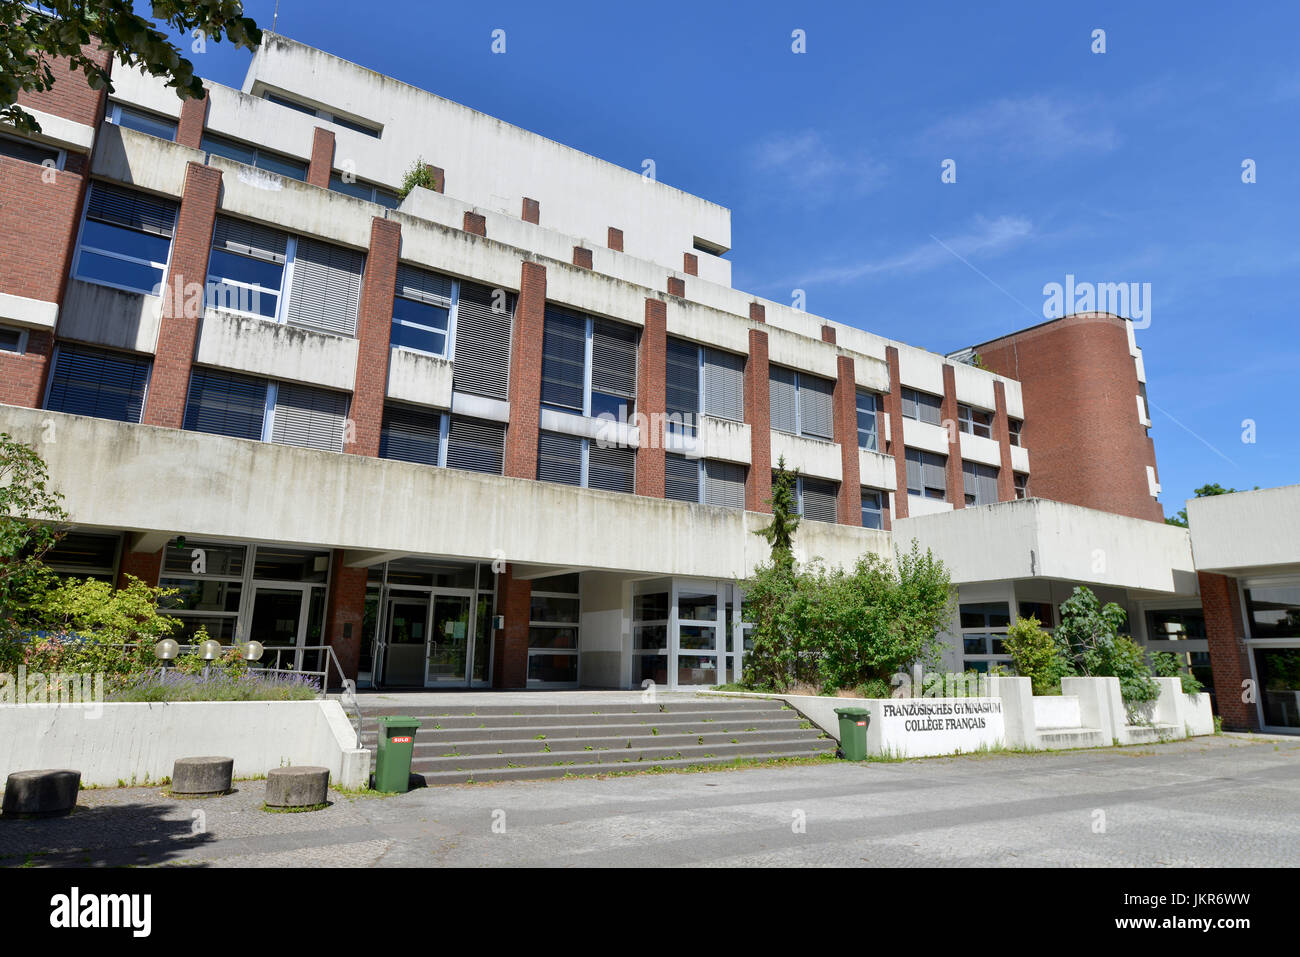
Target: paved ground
(1210,801)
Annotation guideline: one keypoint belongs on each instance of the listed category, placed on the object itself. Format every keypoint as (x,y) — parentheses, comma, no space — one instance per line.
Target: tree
(31,517)
(785,515)
(1205,491)
(1091,642)
(1036,655)
(36,36)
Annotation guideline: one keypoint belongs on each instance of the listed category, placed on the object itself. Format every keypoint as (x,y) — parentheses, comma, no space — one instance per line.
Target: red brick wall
(374,328)
(71,96)
(757,312)
(758,416)
(690,264)
(181,313)
(828,334)
(345,610)
(531,212)
(194,117)
(582,257)
(1086,444)
(1229,661)
(948,412)
(677,287)
(146,566)
(652,399)
(615,240)
(322,158)
(510,649)
(475,223)
(526,373)
(894,408)
(845,399)
(1002,435)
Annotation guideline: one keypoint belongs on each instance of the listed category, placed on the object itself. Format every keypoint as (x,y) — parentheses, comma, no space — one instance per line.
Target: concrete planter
(139,742)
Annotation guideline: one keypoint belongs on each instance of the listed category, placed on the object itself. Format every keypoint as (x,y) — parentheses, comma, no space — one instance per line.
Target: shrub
(1089,638)
(420,174)
(1036,655)
(1166,665)
(221,685)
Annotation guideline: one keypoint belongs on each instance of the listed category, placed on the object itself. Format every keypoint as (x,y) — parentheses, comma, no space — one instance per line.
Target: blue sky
(1124,166)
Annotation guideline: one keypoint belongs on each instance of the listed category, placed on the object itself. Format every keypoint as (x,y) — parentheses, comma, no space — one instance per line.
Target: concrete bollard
(297,787)
(202,777)
(41,793)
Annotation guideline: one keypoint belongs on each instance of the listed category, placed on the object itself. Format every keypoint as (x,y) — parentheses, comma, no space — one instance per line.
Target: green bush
(1036,655)
(1089,639)
(420,174)
(1166,665)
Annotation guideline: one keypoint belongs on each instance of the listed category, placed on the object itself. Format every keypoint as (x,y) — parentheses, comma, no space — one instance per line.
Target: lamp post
(165,651)
(209,651)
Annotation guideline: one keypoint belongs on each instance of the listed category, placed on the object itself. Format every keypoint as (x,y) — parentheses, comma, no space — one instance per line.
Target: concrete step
(434,778)
(1062,738)
(508,746)
(453,710)
(729,717)
(622,757)
(1142,734)
(747,724)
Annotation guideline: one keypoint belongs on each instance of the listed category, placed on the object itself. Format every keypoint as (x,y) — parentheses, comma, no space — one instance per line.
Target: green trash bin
(853,732)
(396,745)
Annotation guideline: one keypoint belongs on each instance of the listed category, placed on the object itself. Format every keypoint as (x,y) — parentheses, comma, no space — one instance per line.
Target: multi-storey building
(516,429)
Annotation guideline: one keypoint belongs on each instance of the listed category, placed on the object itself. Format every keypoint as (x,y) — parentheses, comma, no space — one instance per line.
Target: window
(1022,484)
(371,193)
(980,482)
(702,380)
(422,311)
(254,156)
(308,417)
(30,152)
(588,365)
(922,406)
(210,577)
(983,634)
(867,437)
(85,555)
(974,421)
(13,340)
(1274,611)
(704,481)
(815,499)
(429,437)
(801,403)
(927,475)
(873,508)
(126,239)
(570,460)
(482,320)
(106,385)
(249,264)
(142,121)
(222,403)
(326,115)
(1014,427)
(555,616)
(1044,611)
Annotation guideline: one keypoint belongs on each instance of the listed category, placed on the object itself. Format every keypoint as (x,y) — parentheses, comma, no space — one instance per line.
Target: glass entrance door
(407,633)
(447,659)
(276,620)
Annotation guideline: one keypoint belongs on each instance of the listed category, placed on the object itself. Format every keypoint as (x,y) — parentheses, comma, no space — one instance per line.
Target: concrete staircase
(461,743)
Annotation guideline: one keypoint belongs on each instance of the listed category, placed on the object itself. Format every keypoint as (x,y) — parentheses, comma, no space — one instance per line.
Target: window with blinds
(310,418)
(681,478)
(927,474)
(783,396)
(564,360)
(95,382)
(326,287)
(559,458)
(981,483)
(422,305)
(724,385)
(724,484)
(246,267)
(801,403)
(476,445)
(125,239)
(222,403)
(873,508)
(483,324)
(612,468)
(682,385)
(411,435)
(613,369)
(817,499)
(867,437)
(922,406)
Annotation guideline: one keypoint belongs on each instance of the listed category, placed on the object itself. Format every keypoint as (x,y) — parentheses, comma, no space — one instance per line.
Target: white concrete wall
(143,161)
(138,742)
(276,350)
(110,317)
(605,637)
(419,379)
(812,457)
(1256,532)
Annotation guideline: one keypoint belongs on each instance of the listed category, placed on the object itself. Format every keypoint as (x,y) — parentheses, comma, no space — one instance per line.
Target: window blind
(981,482)
(724,385)
(410,435)
(724,484)
(483,321)
(564,359)
(612,468)
(135,210)
(559,458)
(682,383)
(816,410)
(222,403)
(818,500)
(326,287)
(681,478)
(250,239)
(311,418)
(476,445)
(613,359)
(782,396)
(106,385)
(423,286)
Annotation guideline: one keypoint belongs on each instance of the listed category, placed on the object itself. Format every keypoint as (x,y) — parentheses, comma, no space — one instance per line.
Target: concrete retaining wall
(132,741)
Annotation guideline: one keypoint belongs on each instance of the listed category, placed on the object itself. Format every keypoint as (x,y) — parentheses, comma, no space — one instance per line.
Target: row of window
(927,407)
(927,477)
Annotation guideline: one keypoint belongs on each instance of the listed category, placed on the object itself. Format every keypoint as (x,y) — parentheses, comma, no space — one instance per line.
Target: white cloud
(808,165)
(1041,125)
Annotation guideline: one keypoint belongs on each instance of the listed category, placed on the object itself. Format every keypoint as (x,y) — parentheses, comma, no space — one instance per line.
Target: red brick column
(531,212)
(758,416)
(439,176)
(894,406)
(1002,433)
(322,158)
(1229,659)
(181,311)
(690,264)
(615,239)
(194,116)
(677,287)
(374,328)
(948,411)
(526,373)
(475,223)
(582,257)
(510,649)
(344,613)
(146,566)
(828,334)
(652,399)
(845,401)
(757,312)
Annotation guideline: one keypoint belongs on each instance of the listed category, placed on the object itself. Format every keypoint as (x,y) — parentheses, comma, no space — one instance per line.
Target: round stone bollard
(41,793)
(299,787)
(202,777)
